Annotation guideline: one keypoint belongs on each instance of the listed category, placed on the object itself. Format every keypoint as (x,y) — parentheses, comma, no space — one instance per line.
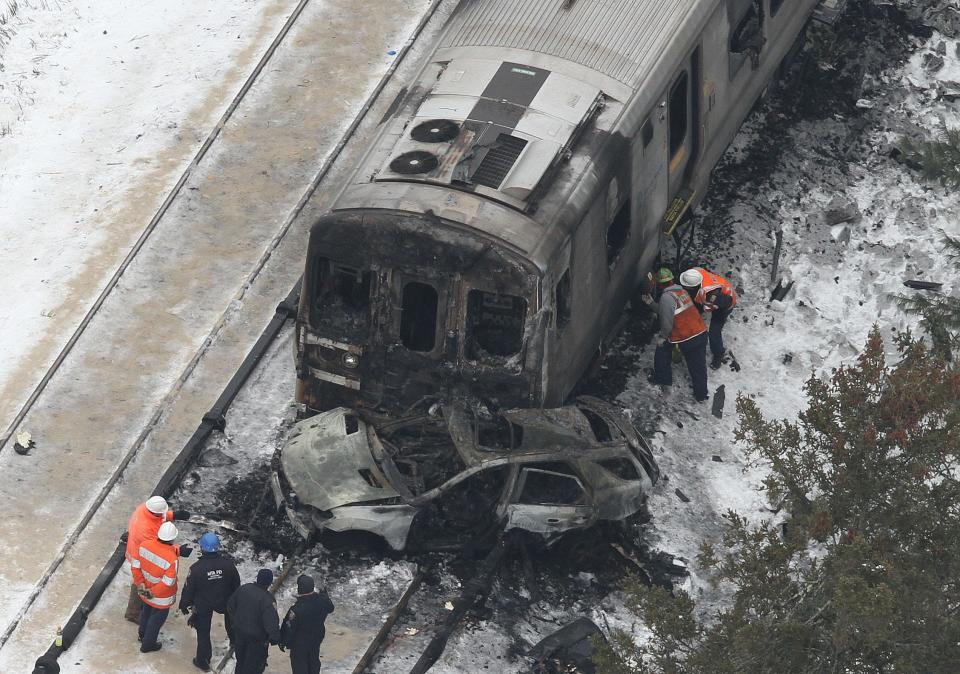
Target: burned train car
(492,234)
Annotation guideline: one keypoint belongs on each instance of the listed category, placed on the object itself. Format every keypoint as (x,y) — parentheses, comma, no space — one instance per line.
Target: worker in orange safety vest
(681,326)
(714,295)
(156,579)
(143,525)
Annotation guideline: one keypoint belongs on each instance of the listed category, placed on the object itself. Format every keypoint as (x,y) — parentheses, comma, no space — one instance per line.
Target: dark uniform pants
(717,319)
(151,620)
(305,660)
(251,655)
(695,353)
(201,623)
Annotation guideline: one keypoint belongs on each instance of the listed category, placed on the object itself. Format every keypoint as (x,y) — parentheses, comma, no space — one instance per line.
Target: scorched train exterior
(491,236)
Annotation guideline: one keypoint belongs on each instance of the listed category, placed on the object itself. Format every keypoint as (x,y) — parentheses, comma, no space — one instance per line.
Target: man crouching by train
(681,326)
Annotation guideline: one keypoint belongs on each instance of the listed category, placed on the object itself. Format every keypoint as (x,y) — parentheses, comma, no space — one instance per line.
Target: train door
(417,339)
(683,140)
(650,167)
(683,113)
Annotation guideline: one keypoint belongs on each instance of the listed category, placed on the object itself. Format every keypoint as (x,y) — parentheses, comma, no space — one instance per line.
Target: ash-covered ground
(817,160)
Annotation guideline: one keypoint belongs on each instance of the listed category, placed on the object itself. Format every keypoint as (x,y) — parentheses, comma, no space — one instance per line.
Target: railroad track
(214,418)
(473,594)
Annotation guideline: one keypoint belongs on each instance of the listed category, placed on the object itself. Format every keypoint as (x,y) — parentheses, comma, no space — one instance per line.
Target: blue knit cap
(264,578)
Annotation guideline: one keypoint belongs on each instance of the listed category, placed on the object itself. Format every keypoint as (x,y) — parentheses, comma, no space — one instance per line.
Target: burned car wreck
(460,473)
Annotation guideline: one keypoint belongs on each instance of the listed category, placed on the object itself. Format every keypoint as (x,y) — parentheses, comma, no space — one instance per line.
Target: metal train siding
(492,234)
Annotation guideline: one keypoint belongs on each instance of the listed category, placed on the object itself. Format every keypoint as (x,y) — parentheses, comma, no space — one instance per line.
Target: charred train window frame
(476,297)
(332,278)
(740,14)
(412,334)
(618,233)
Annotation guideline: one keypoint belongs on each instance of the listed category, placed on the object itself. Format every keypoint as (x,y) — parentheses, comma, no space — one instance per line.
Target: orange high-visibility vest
(710,283)
(687,322)
(143,526)
(158,568)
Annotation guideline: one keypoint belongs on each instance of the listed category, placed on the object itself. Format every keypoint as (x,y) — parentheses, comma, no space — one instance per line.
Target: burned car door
(549,499)
(467,512)
(609,424)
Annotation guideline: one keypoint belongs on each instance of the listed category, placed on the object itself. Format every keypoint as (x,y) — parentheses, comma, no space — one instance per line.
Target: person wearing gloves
(212,581)
(713,295)
(156,579)
(254,623)
(680,327)
(143,525)
(303,630)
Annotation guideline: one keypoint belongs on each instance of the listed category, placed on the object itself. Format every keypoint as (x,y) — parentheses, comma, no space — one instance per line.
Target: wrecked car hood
(327,466)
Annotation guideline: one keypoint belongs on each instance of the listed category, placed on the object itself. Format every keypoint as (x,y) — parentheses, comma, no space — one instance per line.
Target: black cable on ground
(212,421)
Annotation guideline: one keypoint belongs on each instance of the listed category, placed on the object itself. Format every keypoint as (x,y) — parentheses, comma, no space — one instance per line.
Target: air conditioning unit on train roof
(465,134)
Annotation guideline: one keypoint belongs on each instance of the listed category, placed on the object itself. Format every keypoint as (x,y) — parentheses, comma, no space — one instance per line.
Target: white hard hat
(691,278)
(157,505)
(167,532)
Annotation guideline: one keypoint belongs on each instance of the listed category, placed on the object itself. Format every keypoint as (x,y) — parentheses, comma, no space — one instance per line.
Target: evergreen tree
(939,314)
(867,576)
(938,159)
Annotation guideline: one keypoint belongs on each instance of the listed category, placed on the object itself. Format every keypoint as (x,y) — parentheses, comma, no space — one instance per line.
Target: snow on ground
(102,104)
(842,286)
(841,289)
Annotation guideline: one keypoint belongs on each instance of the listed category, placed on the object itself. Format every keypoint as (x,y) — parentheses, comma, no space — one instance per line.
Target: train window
(563,300)
(494,324)
(746,33)
(775,6)
(618,232)
(647,132)
(341,294)
(418,318)
(678,113)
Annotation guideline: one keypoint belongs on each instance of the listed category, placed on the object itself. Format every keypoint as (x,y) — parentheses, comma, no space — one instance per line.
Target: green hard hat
(664,275)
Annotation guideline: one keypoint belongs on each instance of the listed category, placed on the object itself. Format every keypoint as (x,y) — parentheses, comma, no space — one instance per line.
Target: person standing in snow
(143,526)
(303,629)
(156,579)
(714,295)
(212,581)
(254,623)
(680,327)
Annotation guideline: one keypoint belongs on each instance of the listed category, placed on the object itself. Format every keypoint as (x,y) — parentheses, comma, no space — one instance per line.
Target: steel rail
(151,226)
(215,417)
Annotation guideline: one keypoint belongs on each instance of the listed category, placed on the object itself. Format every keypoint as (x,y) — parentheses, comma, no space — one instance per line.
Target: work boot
(150,648)
(203,667)
(716,362)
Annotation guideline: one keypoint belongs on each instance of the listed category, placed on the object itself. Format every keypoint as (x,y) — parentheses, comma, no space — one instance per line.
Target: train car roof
(516,102)
(622,39)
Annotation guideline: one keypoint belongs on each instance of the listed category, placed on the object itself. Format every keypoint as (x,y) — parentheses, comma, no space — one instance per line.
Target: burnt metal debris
(461,474)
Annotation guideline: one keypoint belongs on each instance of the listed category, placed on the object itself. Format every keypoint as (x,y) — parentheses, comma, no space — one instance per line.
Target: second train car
(491,236)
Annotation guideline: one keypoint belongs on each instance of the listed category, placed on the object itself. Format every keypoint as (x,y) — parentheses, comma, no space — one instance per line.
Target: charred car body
(492,234)
(437,480)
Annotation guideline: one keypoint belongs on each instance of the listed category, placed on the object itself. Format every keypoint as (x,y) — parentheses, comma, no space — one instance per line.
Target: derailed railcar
(491,236)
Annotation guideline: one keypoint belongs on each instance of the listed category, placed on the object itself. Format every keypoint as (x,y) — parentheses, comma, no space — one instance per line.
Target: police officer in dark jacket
(302,630)
(252,612)
(212,580)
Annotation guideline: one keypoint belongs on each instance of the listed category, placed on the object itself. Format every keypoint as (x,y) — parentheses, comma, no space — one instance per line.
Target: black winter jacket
(303,625)
(212,579)
(253,614)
